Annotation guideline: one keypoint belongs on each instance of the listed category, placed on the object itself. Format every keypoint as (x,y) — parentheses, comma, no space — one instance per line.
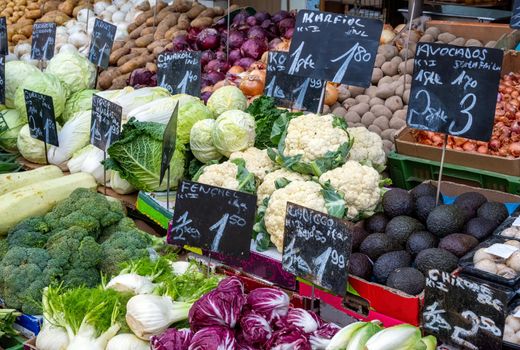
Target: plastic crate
(407,172)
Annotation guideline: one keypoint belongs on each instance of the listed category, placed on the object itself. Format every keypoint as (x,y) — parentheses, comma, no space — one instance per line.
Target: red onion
(240,18)
(253,48)
(245,62)
(494,144)
(289,33)
(286,24)
(192,36)
(262,16)
(221,55)
(274,43)
(251,21)
(208,38)
(234,55)
(515,127)
(266,24)
(141,77)
(236,39)
(207,56)
(277,17)
(256,32)
(213,77)
(216,66)
(205,96)
(180,43)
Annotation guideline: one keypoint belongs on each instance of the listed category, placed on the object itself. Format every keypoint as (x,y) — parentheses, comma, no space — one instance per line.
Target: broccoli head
(24,272)
(80,276)
(4,247)
(125,224)
(30,233)
(123,246)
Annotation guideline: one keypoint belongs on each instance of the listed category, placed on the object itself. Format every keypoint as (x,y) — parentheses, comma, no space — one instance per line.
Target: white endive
(131,283)
(149,315)
(401,337)
(120,185)
(361,337)
(88,160)
(127,341)
(343,337)
(52,337)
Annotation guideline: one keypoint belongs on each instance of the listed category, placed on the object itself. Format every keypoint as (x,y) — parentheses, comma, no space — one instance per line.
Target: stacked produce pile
(412,231)
(505,140)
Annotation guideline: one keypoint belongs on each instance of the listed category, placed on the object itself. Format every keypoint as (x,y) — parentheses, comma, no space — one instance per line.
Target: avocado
(469,202)
(407,279)
(480,228)
(423,207)
(458,243)
(360,265)
(435,258)
(424,189)
(388,262)
(376,223)
(377,244)
(401,227)
(444,220)
(358,236)
(494,211)
(419,241)
(398,202)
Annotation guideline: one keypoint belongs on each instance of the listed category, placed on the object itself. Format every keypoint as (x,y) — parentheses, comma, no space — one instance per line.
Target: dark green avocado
(388,262)
(401,227)
(494,211)
(480,228)
(458,243)
(378,244)
(436,258)
(376,223)
(469,203)
(444,220)
(407,279)
(424,206)
(424,189)
(360,265)
(398,202)
(419,241)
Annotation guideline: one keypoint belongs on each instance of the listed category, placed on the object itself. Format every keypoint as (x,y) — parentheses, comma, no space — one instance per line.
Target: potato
(126,58)
(339,111)
(376,101)
(66,7)
(405,79)
(406,96)
(26,30)
(136,33)
(406,54)
(219,11)
(55,16)
(360,108)
(152,67)
(349,102)
(362,98)
(173,32)
(120,82)
(381,122)
(49,6)
(231,9)
(117,45)
(143,6)
(459,42)
(388,134)
(394,103)
(195,11)
(181,6)
(18,38)
(446,37)
(433,31)
(141,19)
(355,90)
(326,109)
(381,110)
(380,59)
(158,43)
(377,74)
(396,123)
(427,38)
(400,114)
(406,67)
(374,128)
(352,117)
(202,22)
(474,42)
(209,12)
(117,54)
(168,22)
(135,63)
(148,30)
(183,22)
(158,50)
(385,80)
(106,77)
(389,68)
(129,44)
(368,118)
(139,50)
(389,51)
(343,92)
(33,14)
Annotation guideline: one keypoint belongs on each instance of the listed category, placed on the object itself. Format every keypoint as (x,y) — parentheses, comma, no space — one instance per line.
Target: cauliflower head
(220,175)
(257,161)
(267,187)
(312,136)
(367,148)
(360,186)
(304,193)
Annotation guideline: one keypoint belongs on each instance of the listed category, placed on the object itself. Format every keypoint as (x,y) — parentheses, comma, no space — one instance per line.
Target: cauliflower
(312,136)
(257,161)
(360,186)
(220,175)
(367,148)
(267,187)
(304,193)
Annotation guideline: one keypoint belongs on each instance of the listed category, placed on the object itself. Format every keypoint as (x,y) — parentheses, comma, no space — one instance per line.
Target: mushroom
(514,261)
(486,265)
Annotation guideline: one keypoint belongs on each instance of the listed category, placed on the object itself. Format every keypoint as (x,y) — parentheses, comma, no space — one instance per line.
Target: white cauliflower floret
(304,193)
(220,175)
(312,136)
(359,184)
(267,187)
(367,147)
(257,161)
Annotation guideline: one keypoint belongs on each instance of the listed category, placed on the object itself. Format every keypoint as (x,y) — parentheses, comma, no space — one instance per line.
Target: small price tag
(105,126)
(4,48)
(291,91)
(40,115)
(103,36)
(463,312)
(2,80)
(179,72)
(334,47)
(454,90)
(515,17)
(169,139)
(317,247)
(213,218)
(43,40)
(503,251)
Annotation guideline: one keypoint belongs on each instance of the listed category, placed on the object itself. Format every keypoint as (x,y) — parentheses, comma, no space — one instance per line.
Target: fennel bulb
(149,315)
(401,337)
(86,337)
(127,341)
(52,337)
(344,336)
(132,283)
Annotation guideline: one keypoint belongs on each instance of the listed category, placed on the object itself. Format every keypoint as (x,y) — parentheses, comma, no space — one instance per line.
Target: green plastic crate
(407,172)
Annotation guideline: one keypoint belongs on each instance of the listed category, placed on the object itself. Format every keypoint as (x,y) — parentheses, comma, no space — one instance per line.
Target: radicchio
(305,321)
(255,330)
(320,338)
(213,338)
(220,307)
(289,338)
(172,339)
(271,303)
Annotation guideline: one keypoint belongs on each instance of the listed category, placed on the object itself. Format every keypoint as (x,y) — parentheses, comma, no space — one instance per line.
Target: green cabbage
(137,156)
(15,73)
(73,70)
(201,142)
(227,98)
(31,149)
(46,84)
(78,102)
(10,130)
(233,131)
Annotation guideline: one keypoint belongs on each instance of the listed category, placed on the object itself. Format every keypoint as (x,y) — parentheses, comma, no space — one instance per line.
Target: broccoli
(4,247)
(30,233)
(123,246)
(125,224)
(24,272)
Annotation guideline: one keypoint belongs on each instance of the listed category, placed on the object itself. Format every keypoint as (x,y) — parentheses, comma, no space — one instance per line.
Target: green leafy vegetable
(7,318)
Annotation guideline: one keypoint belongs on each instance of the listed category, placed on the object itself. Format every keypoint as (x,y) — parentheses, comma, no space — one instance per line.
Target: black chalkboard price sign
(179,72)
(454,90)
(105,126)
(291,91)
(169,139)
(317,247)
(2,79)
(463,312)
(4,48)
(43,40)
(213,218)
(334,47)
(40,115)
(103,36)
(515,17)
